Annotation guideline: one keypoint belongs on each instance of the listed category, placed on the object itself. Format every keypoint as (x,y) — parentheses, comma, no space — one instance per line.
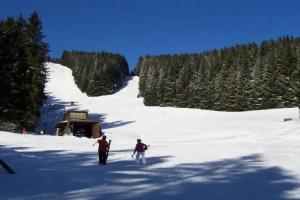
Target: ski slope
(194,154)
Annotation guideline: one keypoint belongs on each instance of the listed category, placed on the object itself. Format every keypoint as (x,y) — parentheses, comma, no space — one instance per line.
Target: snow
(194,154)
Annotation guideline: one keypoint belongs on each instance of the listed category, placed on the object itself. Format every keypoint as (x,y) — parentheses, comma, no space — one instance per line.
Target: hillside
(194,154)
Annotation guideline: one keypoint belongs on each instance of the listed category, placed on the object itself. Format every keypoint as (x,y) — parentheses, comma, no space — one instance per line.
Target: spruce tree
(22,57)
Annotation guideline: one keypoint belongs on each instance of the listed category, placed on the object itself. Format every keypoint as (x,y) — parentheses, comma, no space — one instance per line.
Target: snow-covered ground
(194,154)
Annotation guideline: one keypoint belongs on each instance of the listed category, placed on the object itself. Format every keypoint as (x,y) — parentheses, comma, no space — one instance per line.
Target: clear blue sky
(136,28)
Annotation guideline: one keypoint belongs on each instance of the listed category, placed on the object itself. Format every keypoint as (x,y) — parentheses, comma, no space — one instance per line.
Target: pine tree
(22,71)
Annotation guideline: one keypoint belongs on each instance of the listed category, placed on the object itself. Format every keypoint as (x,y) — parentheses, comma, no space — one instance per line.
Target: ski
(6,167)
(109,142)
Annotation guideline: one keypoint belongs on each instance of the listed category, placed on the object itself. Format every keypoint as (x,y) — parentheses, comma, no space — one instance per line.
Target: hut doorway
(82,130)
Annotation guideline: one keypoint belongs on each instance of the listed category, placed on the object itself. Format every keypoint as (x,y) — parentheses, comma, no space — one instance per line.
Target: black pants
(102,157)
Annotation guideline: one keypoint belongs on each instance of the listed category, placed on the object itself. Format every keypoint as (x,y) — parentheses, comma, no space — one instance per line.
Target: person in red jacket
(102,150)
(140,148)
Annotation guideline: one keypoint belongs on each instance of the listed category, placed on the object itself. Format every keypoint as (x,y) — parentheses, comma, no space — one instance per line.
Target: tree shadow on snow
(65,175)
(108,125)
(53,111)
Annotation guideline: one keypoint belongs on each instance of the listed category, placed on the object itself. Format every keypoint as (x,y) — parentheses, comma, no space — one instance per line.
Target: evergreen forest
(96,73)
(22,71)
(239,78)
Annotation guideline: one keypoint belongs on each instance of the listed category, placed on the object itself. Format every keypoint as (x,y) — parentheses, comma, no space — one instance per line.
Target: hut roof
(62,123)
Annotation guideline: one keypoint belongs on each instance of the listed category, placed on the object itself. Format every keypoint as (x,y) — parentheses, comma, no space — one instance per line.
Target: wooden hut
(77,123)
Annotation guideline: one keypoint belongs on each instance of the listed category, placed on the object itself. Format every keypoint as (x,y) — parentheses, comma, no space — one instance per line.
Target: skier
(103,150)
(140,148)
(24,130)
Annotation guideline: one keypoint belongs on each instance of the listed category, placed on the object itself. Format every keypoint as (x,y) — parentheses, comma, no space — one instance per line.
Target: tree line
(239,78)
(22,71)
(96,73)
